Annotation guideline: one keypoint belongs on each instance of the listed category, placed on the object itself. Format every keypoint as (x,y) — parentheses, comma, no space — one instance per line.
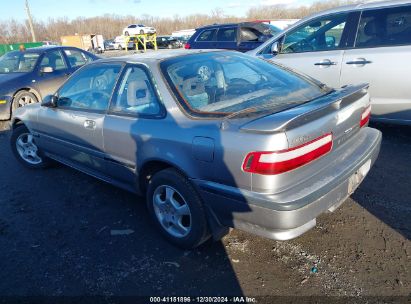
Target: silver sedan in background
(214,139)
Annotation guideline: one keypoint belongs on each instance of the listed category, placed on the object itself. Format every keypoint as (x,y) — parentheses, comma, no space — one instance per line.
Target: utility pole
(33,35)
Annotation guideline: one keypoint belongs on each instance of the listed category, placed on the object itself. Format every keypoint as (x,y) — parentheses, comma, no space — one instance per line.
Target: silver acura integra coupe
(214,139)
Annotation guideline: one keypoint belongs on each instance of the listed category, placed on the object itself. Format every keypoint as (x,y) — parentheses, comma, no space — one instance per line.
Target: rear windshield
(222,83)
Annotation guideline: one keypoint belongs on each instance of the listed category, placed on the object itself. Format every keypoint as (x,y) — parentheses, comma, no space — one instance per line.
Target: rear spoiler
(307,112)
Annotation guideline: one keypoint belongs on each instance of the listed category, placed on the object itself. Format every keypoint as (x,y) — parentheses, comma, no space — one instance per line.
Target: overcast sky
(43,9)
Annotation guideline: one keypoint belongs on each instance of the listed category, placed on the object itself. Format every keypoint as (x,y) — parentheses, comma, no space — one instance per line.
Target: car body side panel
(63,132)
(387,73)
(309,63)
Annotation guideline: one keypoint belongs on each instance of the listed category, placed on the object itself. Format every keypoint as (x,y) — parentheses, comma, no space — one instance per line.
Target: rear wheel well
(149,169)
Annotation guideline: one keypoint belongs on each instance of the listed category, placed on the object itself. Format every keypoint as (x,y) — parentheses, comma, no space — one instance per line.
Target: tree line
(111,25)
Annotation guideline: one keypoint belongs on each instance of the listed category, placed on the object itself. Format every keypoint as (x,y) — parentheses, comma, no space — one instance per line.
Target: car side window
(77,58)
(227,34)
(384,27)
(249,34)
(132,26)
(136,94)
(90,88)
(207,35)
(54,60)
(322,34)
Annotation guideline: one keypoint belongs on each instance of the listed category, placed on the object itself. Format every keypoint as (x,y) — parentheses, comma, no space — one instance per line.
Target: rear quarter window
(384,27)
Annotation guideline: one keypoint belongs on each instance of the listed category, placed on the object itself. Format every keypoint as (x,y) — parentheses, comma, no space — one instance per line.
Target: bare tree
(110,25)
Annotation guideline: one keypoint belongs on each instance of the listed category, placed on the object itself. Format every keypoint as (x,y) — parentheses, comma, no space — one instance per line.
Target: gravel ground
(56,224)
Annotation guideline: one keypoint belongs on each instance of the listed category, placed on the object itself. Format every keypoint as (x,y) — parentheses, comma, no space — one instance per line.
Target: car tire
(23,98)
(126,33)
(185,226)
(141,32)
(25,149)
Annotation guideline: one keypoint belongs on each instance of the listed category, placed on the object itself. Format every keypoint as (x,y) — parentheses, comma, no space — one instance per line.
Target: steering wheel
(100,82)
(304,45)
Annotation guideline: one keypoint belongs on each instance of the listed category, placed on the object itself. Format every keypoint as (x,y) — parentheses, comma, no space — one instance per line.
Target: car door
(73,131)
(381,57)
(227,38)
(51,72)
(317,46)
(134,114)
(205,40)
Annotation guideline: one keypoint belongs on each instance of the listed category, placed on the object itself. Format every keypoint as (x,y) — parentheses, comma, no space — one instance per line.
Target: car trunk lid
(338,113)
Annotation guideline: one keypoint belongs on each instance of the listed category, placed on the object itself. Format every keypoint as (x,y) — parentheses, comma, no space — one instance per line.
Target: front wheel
(25,149)
(22,99)
(126,34)
(141,32)
(177,209)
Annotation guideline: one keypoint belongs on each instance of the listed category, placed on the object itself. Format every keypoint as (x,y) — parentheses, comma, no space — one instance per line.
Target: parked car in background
(248,144)
(120,43)
(109,45)
(183,40)
(138,29)
(50,43)
(354,44)
(234,36)
(27,76)
(168,42)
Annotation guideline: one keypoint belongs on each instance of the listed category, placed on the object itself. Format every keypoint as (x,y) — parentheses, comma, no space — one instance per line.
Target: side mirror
(275,48)
(50,101)
(47,69)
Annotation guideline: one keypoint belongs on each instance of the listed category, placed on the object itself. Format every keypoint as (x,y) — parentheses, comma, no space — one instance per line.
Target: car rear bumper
(277,217)
(5,105)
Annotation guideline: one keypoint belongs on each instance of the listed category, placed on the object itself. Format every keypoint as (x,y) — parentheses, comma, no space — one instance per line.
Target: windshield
(18,62)
(222,83)
(274,29)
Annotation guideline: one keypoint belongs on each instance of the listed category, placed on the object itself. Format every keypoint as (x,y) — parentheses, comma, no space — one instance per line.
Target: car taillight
(271,163)
(187,46)
(365,116)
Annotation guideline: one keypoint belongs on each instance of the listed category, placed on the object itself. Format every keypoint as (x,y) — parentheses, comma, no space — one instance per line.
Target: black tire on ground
(16,133)
(141,32)
(21,97)
(199,232)
(126,34)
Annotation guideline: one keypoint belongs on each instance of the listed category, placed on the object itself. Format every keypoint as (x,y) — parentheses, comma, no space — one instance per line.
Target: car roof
(360,6)
(156,56)
(229,24)
(40,49)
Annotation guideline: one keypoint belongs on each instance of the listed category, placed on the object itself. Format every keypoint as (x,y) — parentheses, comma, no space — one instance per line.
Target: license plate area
(358,176)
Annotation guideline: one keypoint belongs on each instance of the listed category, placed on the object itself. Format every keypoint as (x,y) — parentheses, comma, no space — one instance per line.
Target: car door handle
(359,61)
(89,124)
(325,62)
